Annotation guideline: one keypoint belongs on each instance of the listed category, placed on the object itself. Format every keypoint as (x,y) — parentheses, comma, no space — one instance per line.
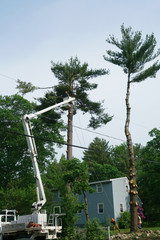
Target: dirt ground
(146,234)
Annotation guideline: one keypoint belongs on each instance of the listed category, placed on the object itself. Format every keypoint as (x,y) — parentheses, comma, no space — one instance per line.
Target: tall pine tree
(73,78)
(133,55)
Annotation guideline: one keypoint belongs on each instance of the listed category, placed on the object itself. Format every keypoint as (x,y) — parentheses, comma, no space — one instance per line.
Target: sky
(34,33)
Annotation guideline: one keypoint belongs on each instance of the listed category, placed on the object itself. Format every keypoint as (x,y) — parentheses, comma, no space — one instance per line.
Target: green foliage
(149,178)
(102,172)
(25,87)
(20,199)
(51,119)
(124,220)
(70,206)
(99,160)
(99,151)
(94,230)
(14,159)
(120,159)
(17,177)
(75,174)
(134,53)
(73,77)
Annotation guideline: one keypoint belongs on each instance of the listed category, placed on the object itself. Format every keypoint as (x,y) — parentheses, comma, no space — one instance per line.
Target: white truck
(36,225)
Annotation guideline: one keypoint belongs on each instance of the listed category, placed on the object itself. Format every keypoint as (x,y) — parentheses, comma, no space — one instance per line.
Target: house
(109,199)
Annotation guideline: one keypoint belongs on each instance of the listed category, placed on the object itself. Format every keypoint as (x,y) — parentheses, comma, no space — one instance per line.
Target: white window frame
(121,207)
(98,187)
(98,205)
(59,194)
(127,188)
(57,208)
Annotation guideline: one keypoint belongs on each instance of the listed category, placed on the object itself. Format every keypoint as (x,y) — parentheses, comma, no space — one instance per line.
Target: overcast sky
(35,32)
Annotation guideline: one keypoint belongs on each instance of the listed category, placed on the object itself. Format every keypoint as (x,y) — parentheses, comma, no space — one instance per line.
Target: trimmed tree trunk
(70,124)
(86,206)
(132,182)
(70,131)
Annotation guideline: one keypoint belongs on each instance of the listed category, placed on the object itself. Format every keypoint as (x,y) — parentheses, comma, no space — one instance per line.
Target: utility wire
(3,75)
(73,145)
(47,140)
(91,131)
(104,135)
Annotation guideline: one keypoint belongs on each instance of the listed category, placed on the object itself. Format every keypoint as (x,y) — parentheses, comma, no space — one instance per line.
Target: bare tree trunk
(70,124)
(86,206)
(70,131)
(132,182)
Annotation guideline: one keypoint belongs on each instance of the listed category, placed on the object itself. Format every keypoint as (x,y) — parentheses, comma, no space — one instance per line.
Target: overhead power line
(47,140)
(104,135)
(73,145)
(3,75)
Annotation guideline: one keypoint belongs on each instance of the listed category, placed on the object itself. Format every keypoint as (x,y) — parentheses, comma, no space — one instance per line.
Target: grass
(126,231)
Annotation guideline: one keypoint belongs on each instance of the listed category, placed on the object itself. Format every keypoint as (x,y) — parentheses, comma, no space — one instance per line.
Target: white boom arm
(41,198)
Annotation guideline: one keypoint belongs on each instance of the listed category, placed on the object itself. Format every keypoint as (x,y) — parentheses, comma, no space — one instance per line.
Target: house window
(121,207)
(57,209)
(100,208)
(99,188)
(127,188)
(80,211)
(59,194)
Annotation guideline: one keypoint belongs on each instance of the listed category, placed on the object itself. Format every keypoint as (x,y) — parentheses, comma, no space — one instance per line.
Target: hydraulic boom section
(41,198)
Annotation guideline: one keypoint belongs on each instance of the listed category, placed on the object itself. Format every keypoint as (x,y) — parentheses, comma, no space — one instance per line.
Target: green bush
(94,230)
(124,220)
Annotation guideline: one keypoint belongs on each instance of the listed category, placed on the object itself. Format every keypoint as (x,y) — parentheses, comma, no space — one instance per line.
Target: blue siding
(106,198)
(114,193)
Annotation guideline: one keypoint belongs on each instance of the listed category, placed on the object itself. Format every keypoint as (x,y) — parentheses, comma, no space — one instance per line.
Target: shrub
(94,230)
(124,220)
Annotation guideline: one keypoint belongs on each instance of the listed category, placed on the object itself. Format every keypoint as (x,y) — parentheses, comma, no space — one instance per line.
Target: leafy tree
(101,172)
(133,55)
(73,77)
(149,178)
(15,164)
(98,151)
(120,158)
(52,119)
(74,172)
(119,155)
(80,180)
(19,198)
(99,160)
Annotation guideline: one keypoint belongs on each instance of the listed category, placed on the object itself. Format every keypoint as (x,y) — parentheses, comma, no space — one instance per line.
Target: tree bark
(86,206)
(70,123)
(132,182)
(70,132)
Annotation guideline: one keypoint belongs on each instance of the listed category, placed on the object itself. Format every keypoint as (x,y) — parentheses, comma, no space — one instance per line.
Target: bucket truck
(35,225)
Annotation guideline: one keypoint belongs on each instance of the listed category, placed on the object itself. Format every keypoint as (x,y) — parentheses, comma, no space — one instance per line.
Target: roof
(107,181)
